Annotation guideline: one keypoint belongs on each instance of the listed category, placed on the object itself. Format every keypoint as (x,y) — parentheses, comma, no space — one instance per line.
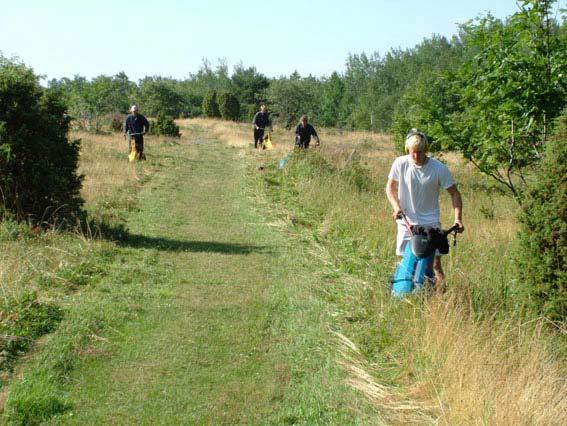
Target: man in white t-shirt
(413,187)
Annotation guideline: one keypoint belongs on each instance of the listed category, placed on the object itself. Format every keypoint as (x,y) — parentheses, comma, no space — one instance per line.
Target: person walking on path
(303,133)
(413,188)
(135,126)
(261,121)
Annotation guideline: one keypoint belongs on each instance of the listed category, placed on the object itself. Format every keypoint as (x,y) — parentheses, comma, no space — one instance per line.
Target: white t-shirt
(418,188)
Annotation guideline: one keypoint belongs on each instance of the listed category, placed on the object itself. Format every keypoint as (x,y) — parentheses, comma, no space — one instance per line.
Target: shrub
(210,105)
(38,164)
(358,176)
(247,112)
(164,126)
(229,106)
(543,235)
(117,122)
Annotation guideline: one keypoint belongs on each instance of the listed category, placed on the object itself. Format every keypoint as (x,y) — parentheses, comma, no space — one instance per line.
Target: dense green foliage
(248,86)
(38,164)
(291,97)
(93,104)
(496,106)
(211,105)
(229,107)
(157,94)
(543,236)
(165,126)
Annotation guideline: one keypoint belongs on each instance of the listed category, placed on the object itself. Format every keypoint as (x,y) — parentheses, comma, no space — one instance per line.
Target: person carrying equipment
(135,126)
(413,187)
(303,133)
(261,121)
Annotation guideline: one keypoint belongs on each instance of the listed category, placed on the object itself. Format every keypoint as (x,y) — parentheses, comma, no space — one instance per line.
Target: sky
(171,38)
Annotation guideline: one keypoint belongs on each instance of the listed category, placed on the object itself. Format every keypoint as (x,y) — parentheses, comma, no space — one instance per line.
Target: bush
(38,164)
(543,234)
(117,122)
(229,106)
(164,126)
(358,176)
(247,112)
(210,105)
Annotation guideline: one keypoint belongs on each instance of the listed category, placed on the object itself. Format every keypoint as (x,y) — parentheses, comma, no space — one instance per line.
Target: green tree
(427,105)
(291,97)
(248,86)
(208,79)
(164,126)
(92,104)
(229,107)
(543,234)
(332,101)
(509,92)
(356,80)
(38,164)
(211,105)
(192,99)
(496,107)
(158,94)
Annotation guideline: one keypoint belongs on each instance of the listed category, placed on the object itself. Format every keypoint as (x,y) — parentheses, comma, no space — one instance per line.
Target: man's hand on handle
(461,226)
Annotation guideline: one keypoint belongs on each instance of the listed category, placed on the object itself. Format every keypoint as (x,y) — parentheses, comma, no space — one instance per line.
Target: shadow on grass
(166,244)
(122,237)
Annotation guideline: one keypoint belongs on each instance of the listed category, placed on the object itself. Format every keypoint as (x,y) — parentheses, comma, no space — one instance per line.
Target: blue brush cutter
(416,268)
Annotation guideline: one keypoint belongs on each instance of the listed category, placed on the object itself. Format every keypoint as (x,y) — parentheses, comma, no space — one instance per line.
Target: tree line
(518,61)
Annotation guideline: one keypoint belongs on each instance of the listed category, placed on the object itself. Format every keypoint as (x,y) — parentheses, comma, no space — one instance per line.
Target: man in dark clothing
(134,127)
(303,133)
(260,122)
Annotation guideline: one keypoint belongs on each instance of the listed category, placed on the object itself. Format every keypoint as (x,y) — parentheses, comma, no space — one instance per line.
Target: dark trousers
(258,137)
(302,144)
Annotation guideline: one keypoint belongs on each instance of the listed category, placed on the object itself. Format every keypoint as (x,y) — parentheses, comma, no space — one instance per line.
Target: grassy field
(471,355)
(215,288)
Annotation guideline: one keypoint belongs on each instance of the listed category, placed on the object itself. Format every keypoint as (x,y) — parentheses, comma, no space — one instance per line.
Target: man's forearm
(457,206)
(392,194)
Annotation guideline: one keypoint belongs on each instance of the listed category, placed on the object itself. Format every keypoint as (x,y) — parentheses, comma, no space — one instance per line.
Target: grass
(473,355)
(46,279)
(235,292)
(201,311)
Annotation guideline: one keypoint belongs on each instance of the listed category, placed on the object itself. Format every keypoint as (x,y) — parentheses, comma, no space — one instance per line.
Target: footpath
(229,330)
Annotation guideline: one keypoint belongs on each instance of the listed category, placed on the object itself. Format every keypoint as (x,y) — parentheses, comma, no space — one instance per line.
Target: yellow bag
(134,154)
(268,142)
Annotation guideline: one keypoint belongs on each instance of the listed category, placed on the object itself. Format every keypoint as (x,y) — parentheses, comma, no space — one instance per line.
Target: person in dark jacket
(303,133)
(261,121)
(135,126)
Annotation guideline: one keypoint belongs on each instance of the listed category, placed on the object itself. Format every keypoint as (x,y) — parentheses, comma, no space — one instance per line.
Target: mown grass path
(229,330)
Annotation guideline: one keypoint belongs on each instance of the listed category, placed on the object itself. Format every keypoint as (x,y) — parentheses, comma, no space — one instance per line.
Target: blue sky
(172,37)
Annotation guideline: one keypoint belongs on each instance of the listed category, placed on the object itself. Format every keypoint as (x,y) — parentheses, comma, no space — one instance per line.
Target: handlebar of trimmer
(402,215)
(453,228)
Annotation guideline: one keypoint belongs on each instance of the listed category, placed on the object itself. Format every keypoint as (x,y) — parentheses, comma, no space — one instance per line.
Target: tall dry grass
(104,163)
(465,372)
(491,372)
